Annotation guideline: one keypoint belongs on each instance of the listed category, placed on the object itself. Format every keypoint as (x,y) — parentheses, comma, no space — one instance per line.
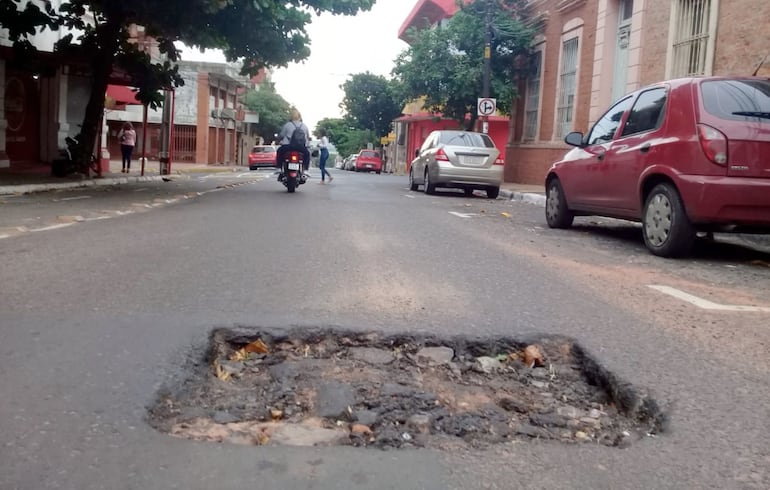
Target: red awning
(121,95)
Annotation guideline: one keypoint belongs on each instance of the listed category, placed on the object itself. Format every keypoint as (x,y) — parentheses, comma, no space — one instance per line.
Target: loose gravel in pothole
(325,387)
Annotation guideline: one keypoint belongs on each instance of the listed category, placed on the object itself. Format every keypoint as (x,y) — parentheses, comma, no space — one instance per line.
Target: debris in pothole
(325,387)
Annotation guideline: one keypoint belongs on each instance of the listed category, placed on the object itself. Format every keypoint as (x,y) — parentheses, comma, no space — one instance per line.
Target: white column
(4,160)
(62,122)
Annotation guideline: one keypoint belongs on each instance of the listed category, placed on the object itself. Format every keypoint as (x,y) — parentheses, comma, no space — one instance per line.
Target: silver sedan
(458,159)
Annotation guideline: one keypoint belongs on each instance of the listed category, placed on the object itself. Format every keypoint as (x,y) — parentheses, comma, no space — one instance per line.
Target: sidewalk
(533,194)
(36,177)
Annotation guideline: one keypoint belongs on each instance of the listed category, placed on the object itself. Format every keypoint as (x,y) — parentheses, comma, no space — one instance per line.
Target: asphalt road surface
(107,294)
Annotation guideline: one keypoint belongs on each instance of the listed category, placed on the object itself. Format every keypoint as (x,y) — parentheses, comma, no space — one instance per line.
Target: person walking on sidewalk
(127,137)
(324,145)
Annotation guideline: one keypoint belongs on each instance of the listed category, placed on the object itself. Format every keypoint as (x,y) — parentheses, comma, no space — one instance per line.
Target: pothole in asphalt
(309,387)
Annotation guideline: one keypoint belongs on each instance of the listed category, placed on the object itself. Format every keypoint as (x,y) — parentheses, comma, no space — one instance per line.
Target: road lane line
(52,227)
(463,215)
(75,198)
(704,303)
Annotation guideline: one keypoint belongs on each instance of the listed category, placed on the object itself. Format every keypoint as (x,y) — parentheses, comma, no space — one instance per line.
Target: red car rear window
(370,154)
(737,100)
(263,149)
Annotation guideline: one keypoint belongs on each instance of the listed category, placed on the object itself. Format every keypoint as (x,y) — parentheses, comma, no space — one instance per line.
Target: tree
(445,65)
(273,109)
(259,32)
(345,136)
(370,102)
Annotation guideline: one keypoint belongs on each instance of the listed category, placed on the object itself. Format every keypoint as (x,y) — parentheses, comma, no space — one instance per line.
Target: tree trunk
(108,37)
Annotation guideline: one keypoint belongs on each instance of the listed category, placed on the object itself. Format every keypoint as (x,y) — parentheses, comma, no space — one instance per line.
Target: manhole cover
(325,387)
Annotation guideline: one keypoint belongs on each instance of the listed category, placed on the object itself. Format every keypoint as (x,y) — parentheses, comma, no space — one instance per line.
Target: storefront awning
(119,96)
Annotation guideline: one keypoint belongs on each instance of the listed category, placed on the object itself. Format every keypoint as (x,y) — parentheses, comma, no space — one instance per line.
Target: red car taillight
(499,161)
(713,143)
(441,156)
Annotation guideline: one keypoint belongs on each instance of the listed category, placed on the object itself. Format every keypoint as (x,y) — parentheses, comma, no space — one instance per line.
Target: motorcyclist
(285,138)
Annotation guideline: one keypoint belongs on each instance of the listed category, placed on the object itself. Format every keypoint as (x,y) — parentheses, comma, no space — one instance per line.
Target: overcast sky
(341,46)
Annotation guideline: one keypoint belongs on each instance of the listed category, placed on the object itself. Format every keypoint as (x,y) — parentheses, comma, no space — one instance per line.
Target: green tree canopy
(446,65)
(273,110)
(259,32)
(370,102)
(346,136)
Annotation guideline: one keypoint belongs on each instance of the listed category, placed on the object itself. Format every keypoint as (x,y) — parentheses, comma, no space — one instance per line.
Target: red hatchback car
(368,161)
(681,156)
(262,156)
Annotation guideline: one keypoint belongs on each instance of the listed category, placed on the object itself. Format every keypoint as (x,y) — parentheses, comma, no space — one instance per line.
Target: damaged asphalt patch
(320,387)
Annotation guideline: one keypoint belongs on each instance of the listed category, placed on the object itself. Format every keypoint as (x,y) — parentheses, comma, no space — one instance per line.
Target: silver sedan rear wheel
(412,185)
(430,188)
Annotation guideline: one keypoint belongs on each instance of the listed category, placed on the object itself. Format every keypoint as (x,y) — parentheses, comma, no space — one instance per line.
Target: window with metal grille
(533,97)
(567,86)
(690,37)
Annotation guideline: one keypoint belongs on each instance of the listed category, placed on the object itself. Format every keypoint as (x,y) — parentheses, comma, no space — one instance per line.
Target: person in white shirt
(324,145)
(127,137)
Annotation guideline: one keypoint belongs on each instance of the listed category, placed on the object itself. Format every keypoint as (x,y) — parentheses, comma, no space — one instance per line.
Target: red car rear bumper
(726,200)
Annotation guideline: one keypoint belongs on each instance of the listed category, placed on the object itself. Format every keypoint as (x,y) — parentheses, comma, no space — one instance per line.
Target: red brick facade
(740,39)
(527,162)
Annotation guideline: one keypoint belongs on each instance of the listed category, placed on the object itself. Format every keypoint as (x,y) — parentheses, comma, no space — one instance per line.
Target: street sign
(486,106)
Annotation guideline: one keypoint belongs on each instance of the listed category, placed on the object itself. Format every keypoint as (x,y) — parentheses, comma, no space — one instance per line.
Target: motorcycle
(291,170)
(69,161)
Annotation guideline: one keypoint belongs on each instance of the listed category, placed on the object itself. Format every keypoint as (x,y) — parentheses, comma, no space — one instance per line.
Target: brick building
(210,123)
(591,52)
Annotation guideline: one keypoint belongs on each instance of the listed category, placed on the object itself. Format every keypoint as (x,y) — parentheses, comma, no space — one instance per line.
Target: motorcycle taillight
(295,156)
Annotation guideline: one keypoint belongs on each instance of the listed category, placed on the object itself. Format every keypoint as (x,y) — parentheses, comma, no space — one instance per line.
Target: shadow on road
(724,247)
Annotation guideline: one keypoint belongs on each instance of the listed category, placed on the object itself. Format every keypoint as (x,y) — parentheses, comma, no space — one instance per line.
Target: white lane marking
(463,215)
(704,303)
(409,196)
(52,227)
(142,189)
(74,198)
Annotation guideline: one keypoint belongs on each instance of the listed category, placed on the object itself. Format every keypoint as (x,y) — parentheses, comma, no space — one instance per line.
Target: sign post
(486,107)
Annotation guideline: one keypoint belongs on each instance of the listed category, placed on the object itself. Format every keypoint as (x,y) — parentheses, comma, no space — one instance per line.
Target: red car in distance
(368,161)
(262,156)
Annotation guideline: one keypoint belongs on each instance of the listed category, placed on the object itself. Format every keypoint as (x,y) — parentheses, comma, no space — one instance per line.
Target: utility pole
(487,63)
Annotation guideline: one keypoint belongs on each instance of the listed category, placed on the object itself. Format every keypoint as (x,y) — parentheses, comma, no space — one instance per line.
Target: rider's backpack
(298,136)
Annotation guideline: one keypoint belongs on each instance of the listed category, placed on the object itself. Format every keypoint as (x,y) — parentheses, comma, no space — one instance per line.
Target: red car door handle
(645,148)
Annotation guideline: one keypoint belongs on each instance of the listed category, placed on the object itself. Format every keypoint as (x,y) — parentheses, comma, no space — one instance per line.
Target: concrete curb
(528,197)
(50,186)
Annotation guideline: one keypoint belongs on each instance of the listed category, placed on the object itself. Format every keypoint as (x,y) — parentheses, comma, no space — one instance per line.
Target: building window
(692,31)
(567,87)
(533,97)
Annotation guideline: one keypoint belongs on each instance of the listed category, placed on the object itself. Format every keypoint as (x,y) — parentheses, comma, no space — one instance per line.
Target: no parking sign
(486,106)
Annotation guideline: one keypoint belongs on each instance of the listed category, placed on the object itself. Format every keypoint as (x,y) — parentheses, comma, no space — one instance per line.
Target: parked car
(350,162)
(368,161)
(262,156)
(458,159)
(680,156)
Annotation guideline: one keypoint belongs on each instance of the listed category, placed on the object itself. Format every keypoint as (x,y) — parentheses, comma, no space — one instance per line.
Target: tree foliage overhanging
(346,136)
(446,65)
(259,32)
